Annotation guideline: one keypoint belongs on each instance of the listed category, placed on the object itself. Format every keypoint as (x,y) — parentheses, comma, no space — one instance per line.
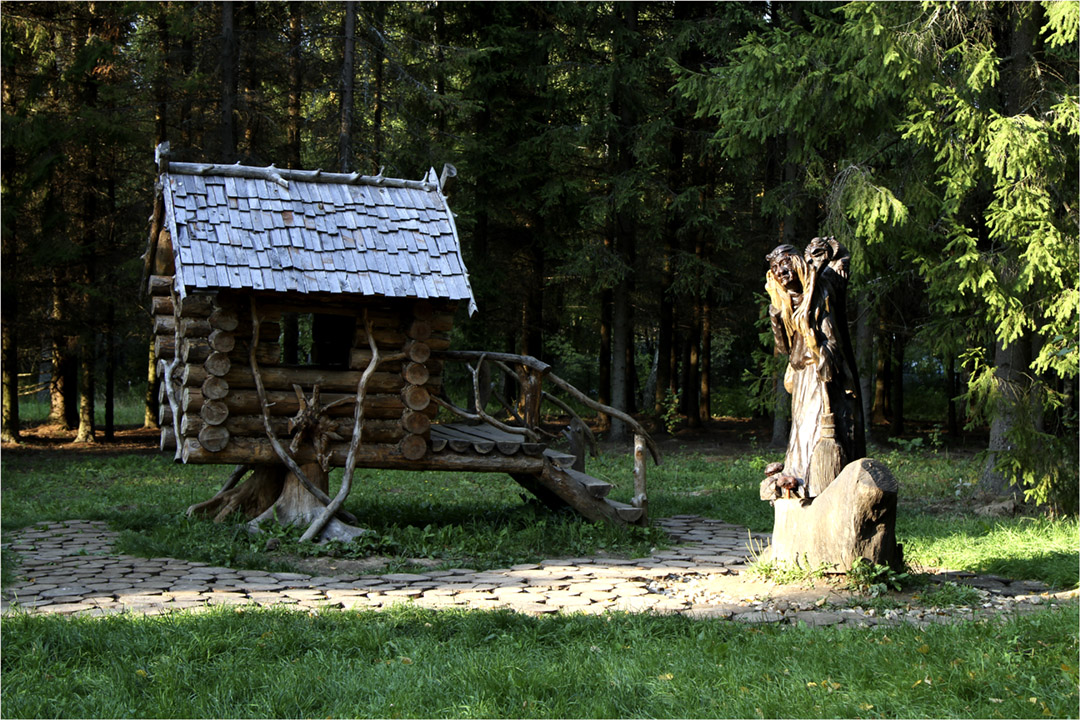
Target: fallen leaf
(406,661)
(924,649)
(1033,701)
(866,706)
(811,684)
(141,673)
(666,676)
(996,700)
(917,683)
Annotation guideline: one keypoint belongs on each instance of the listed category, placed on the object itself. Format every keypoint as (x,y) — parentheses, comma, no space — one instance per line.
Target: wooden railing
(524,418)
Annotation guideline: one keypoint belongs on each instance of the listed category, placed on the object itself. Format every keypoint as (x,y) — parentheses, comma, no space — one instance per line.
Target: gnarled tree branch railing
(530,379)
(538,372)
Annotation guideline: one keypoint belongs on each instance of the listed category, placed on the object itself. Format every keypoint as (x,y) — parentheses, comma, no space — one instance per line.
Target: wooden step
(561,459)
(595,486)
(627,513)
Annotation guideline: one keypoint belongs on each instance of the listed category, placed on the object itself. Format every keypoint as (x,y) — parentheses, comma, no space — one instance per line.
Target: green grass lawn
(410,663)
(415,663)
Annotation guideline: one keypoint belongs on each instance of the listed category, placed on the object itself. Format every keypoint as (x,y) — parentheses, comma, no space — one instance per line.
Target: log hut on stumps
(372,268)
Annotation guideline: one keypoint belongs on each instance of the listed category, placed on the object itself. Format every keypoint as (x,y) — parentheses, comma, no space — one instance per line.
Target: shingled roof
(250,228)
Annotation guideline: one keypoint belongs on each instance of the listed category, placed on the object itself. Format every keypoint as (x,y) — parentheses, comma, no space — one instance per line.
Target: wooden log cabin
(371,269)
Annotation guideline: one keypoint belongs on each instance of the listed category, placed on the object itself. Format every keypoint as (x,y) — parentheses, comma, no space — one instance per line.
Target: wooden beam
(285,403)
(251,426)
(381,456)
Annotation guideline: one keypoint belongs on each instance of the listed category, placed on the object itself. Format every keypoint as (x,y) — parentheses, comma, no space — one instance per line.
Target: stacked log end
(416,375)
(218,404)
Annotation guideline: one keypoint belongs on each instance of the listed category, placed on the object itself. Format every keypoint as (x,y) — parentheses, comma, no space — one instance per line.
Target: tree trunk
(882,379)
(9,305)
(706,361)
(633,384)
(9,424)
(952,390)
(692,372)
(248,62)
(864,356)
(187,66)
(348,75)
(1010,385)
(665,366)
(295,87)
(86,392)
(110,373)
(378,59)
(63,385)
(620,321)
(161,82)
(228,83)
(1012,364)
(150,401)
(896,422)
(604,364)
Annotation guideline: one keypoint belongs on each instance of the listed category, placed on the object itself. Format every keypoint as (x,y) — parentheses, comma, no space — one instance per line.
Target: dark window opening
(323,340)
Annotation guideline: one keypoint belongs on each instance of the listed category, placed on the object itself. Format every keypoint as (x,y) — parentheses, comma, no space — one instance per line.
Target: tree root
(252,498)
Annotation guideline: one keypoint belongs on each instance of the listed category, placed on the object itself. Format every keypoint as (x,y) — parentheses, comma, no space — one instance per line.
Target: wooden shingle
(239,228)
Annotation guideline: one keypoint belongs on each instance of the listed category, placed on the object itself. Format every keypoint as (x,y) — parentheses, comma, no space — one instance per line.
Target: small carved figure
(807,293)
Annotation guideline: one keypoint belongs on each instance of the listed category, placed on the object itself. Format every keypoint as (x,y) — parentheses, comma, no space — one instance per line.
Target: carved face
(818,253)
(782,267)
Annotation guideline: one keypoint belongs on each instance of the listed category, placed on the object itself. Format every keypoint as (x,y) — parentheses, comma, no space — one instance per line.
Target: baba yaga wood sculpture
(833,505)
(372,268)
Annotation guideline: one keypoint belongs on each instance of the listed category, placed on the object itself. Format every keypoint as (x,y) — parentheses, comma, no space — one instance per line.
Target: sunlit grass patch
(408,662)
(1017,548)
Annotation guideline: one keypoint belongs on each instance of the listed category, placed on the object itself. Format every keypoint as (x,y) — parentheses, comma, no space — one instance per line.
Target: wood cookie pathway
(70,568)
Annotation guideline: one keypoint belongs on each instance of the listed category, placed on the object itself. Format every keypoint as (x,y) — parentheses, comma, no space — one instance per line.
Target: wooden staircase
(546,473)
(559,485)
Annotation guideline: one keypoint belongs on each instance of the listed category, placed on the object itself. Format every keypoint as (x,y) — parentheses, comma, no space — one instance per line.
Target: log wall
(215,414)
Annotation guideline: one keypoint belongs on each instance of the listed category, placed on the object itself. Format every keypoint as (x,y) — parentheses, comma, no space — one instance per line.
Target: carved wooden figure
(807,293)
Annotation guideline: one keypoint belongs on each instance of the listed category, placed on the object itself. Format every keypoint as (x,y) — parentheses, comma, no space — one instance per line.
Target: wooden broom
(827,460)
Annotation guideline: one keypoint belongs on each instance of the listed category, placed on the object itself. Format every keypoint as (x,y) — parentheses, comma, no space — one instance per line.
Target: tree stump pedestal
(854,517)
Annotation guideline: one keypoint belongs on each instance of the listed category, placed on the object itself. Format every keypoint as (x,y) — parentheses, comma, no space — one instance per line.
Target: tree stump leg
(296,506)
(252,497)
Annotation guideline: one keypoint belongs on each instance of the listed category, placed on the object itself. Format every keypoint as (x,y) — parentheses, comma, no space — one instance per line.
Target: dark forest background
(623,168)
